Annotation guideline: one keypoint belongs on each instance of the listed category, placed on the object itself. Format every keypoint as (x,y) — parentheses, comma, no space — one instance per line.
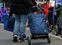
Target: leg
(16,28)
(23,19)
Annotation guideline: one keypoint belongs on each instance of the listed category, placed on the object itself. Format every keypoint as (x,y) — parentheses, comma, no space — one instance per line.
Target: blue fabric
(9,23)
(5,21)
(20,24)
(38,24)
(5,18)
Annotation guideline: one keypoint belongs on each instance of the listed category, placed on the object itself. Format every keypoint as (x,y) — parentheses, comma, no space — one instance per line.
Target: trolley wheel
(29,40)
(48,39)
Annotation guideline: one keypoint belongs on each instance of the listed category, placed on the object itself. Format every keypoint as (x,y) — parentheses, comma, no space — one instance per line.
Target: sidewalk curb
(55,36)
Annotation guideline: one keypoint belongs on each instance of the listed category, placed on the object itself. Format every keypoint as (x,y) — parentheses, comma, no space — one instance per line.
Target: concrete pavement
(6,39)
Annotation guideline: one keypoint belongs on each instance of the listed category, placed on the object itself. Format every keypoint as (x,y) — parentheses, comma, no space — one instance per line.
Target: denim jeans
(20,24)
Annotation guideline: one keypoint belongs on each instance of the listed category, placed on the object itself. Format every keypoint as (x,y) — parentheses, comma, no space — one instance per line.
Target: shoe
(22,38)
(15,38)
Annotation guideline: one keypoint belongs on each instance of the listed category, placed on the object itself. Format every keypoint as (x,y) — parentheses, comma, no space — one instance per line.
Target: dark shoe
(22,38)
(15,38)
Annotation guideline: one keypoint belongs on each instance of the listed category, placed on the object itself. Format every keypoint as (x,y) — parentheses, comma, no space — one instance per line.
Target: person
(59,24)
(52,17)
(46,7)
(21,9)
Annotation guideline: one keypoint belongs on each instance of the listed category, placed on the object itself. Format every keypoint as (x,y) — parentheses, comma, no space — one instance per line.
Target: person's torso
(20,6)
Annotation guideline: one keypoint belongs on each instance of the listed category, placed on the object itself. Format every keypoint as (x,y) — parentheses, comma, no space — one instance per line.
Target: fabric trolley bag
(38,24)
(38,27)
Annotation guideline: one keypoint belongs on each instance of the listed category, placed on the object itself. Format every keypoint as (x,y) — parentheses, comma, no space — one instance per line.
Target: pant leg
(23,20)
(16,25)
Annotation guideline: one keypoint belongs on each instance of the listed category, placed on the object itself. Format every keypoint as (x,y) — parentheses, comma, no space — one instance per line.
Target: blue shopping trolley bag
(38,24)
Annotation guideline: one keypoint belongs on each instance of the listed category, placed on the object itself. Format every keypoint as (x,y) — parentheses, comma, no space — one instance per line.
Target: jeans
(20,24)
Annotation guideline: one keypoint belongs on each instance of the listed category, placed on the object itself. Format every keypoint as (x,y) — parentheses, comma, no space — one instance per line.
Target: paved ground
(6,39)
